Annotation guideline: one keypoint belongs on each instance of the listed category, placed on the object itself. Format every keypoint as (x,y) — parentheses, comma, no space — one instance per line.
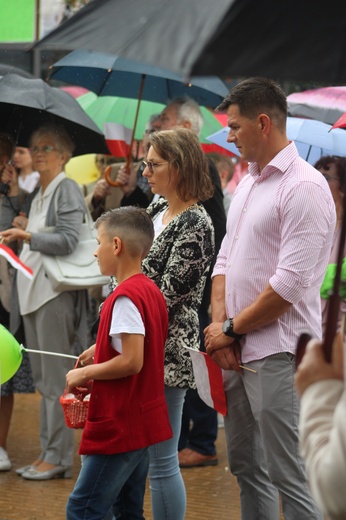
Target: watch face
(226,326)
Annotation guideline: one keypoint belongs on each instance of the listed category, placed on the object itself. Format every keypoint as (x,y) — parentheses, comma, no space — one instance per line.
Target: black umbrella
(9,69)
(299,40)
(26,104)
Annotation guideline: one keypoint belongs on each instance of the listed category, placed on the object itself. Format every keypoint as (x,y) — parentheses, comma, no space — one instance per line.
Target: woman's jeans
(167,487)
(99,483)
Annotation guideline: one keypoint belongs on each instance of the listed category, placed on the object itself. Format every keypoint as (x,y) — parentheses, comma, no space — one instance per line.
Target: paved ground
(212,493)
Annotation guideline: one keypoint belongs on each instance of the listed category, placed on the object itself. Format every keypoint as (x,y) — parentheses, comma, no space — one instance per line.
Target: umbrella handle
(107,176)
(107,172)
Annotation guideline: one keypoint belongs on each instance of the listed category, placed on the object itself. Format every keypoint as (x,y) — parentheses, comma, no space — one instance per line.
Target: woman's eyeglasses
(42,149)
(151,165)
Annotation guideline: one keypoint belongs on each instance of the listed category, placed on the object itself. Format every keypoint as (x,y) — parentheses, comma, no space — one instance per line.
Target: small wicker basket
(75,410)
(75,405)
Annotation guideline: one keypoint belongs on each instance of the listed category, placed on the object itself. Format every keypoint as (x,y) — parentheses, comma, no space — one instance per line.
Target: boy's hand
(77,378)
(87,357)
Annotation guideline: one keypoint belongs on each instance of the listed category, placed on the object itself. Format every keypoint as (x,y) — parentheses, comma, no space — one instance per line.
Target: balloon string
(50,353)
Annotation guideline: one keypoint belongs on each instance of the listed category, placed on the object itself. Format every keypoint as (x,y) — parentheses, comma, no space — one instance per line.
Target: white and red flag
(15,261)
(118,138)
(208,377)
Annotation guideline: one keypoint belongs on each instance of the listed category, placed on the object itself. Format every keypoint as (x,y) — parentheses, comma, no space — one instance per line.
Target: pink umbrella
(324,104)
(341,122)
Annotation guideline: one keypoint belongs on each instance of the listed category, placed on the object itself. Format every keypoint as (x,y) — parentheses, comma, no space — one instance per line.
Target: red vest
(130,413)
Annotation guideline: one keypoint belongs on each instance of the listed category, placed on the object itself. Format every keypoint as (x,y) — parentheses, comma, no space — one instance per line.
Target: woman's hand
(9,235)
(21,221)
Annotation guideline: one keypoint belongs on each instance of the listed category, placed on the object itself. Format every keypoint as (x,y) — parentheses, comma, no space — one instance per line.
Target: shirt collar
(281,162)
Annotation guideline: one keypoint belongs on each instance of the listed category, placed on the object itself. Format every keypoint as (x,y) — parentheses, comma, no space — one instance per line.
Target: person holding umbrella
(52,320)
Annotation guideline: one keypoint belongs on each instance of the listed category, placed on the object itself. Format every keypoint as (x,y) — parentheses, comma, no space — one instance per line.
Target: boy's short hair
(133,225)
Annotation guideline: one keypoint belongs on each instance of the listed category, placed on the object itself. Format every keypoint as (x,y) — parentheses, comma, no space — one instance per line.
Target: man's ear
(265,123)
(186,124)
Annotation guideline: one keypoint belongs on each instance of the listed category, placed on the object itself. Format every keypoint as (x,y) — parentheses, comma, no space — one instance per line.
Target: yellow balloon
(82,169)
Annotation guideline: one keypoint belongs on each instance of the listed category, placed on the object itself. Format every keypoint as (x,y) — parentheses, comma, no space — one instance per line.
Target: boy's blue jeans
(99,482)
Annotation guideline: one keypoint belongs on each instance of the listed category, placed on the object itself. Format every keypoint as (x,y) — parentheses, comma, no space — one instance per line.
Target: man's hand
(215,338)
(314,368)
(127,177)
(229,357)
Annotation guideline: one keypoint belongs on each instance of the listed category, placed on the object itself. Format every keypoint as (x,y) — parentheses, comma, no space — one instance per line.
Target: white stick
(50,353)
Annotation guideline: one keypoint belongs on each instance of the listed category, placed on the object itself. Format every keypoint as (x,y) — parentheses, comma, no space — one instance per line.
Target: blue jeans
(167,488)
(129,503)
(99,482)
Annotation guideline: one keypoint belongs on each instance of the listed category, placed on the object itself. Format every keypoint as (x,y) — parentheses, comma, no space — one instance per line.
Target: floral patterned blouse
(178,262)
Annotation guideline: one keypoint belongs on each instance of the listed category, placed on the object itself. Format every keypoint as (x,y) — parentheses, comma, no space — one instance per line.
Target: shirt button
(245,210)
(236,237)
(256,184)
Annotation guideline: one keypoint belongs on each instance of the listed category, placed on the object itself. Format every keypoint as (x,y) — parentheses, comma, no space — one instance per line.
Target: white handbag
(78,270)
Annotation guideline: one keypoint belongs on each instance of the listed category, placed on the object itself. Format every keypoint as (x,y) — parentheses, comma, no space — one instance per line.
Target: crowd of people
(236,275)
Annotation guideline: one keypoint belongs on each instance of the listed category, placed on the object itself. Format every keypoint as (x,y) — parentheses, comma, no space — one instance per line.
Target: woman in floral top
(178,262)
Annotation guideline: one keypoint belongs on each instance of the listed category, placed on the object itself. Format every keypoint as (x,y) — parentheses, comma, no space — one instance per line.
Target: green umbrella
(109,109)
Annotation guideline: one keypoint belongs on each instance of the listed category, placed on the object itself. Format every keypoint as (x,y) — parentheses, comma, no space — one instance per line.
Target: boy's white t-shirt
(126,318)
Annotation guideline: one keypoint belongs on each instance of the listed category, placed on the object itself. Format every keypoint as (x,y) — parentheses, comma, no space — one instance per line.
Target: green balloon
(11,355)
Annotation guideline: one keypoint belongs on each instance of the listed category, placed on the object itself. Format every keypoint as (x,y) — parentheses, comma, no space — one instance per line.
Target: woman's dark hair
(340,163)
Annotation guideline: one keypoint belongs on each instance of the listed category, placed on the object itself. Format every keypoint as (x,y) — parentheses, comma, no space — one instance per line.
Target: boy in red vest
(127,410)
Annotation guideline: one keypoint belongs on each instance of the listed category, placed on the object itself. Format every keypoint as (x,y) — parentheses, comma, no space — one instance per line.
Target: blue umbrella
(110,75)
(312,138)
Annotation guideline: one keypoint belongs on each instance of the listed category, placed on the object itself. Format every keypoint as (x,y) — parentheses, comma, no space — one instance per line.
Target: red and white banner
(15,261)
(118,138)
(208,377)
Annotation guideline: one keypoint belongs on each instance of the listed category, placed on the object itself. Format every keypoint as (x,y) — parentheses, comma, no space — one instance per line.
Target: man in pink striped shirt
(266,285)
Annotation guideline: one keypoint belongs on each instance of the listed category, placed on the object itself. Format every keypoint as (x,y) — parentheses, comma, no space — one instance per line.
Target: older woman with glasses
(51,319)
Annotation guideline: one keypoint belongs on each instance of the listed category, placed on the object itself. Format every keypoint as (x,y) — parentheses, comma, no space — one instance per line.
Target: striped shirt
(279,231)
